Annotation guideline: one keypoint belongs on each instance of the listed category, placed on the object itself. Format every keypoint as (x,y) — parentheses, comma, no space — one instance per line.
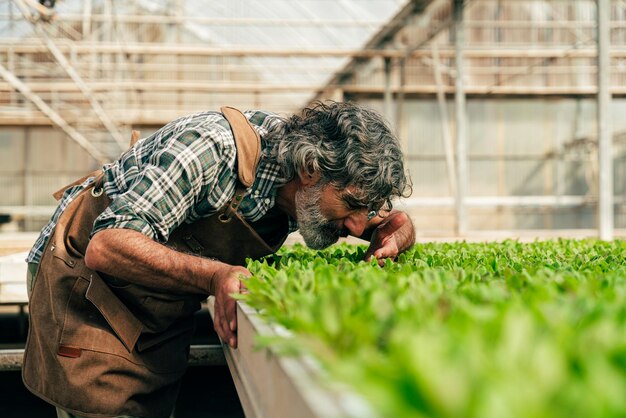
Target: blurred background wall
(79,76)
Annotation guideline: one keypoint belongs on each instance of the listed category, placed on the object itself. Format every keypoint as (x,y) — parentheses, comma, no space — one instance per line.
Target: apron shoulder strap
(59,193)
(248,144)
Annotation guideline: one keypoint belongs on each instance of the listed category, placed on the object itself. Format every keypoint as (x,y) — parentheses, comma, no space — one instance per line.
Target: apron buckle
(224,218)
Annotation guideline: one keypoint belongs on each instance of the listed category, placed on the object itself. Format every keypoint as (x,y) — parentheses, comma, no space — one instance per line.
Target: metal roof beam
(393,26)
(51,114)
(64,63)
(218,21)
(22,47)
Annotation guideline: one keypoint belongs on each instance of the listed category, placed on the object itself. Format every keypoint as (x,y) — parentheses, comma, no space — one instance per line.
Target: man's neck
(286,197)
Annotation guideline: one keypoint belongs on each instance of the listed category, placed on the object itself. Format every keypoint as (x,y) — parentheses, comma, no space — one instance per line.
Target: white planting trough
(274,386)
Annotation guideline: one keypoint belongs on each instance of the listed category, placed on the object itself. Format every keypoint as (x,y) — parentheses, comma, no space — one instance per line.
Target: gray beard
(317,231)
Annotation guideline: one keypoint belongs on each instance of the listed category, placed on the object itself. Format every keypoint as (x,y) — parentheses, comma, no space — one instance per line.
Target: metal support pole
(11,18)
(448,145)
(86,19)
(461,118)
(26,179)
(401,125)
(387,95)
(605,139)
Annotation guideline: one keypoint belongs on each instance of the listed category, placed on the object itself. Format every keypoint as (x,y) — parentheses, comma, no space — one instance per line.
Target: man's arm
(185,169)
(389,236)
(132,256)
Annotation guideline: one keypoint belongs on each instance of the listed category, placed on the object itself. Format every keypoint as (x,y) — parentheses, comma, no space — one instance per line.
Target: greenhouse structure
(526,105)
(509,115)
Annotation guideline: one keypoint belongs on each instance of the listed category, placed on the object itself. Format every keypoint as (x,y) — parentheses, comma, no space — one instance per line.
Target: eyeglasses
(354,201)
(382,211)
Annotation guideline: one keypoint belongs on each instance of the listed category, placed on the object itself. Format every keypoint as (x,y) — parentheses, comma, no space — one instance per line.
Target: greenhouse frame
(519,143)
(509,299)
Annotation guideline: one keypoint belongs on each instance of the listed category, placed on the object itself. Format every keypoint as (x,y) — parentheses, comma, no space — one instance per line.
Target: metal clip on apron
(99,346)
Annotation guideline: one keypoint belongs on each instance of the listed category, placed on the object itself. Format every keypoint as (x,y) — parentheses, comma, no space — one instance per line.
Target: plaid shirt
(183,172)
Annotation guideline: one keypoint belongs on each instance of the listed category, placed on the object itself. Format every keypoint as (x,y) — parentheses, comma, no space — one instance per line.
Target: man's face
(318,232)
(323,216)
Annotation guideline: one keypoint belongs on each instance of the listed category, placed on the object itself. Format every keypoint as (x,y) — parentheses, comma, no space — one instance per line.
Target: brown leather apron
(98,346)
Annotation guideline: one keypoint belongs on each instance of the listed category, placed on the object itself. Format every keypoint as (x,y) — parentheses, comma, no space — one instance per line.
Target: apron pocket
(97,320)
(118,316)
(149,340)
(160,313)
(169,350)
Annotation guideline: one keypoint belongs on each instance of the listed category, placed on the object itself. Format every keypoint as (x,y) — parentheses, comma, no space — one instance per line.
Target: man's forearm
(406,234)
(133,257)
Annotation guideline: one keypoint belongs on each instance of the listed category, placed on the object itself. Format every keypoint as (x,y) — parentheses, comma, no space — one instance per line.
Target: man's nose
(356,223)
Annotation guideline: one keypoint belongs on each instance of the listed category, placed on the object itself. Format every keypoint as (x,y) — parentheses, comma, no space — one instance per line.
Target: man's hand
(226,282)
(392,236)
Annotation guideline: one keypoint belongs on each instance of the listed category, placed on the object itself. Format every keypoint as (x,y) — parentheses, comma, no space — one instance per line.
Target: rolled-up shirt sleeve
(167,188)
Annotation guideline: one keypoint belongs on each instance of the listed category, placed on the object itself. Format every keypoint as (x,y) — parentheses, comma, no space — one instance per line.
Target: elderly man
(133,249)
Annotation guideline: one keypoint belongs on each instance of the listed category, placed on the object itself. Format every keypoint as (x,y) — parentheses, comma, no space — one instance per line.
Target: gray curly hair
(349,146)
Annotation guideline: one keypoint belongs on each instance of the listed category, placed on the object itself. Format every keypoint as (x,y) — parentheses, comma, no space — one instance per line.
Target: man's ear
(309,179)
